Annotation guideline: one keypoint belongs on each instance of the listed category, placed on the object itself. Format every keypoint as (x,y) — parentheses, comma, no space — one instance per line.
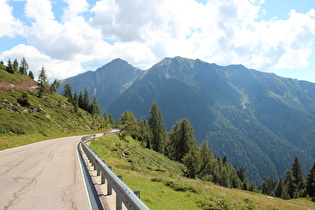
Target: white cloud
(75,7)
(36,60)
(144,32)
(9,25)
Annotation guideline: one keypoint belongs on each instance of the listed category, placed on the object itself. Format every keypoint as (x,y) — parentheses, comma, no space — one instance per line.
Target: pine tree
(192,162)
(31,75)
(80,100)
(298,178)
(144,133)
(94,109)
(86,100)
(310,182)
(55,85)
(205,159)
(128,124)
(75,102)
(15,66)
(288,186)
(67,92)
(42,82)
(23,66)
(157,129)
(182,139)
(10,67)
(278,190)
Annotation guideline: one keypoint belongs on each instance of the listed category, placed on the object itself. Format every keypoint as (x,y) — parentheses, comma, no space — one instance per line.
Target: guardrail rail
(123,193)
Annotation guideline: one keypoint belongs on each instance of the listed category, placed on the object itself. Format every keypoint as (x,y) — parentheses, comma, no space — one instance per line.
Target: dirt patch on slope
(26,84)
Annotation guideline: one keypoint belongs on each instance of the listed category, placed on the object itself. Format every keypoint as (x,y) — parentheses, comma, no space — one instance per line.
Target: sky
(69,37)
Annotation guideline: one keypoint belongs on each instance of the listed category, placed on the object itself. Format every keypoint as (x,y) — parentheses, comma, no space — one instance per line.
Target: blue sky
(69,37)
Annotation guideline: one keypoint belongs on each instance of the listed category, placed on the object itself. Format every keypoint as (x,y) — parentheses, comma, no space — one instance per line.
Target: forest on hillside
(180,145)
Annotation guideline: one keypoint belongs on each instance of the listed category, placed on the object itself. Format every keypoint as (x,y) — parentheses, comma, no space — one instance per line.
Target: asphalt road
(44,175)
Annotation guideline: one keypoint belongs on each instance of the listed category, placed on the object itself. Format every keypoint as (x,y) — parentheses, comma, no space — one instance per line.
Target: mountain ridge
(255,118)
(106,83)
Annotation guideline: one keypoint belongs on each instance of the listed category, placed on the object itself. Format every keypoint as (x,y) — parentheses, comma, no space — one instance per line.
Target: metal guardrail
(123,192)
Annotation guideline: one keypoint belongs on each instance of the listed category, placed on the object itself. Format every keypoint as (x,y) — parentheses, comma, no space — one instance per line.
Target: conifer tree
(298,178)
(80,100)
(75,102)
(144,133)
(67,92)
(42,82)
(10,67)
(288,188)
(278,190)
(157,129)
(55,85)
(128,124)
(182,139)
(94,109)
(23,67)
(86,100)
(310,182)
(205,159)
(31,75)
(15,66)
(192,161)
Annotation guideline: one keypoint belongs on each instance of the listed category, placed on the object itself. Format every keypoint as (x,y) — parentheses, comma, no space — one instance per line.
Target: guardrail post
(103,175)
(109,188)
(118,200)
(137,193)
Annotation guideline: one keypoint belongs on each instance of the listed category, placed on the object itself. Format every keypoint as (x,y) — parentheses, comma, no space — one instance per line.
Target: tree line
(82,100)
(23,68)
(294,185)
(16,67)
(180,145)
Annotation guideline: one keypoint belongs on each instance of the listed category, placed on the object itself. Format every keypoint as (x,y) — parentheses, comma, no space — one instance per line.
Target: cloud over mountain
(87,34)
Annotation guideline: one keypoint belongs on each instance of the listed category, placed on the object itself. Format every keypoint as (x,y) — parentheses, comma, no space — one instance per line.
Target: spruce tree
(94,109)
(80,100)
(128,124)
(31,75)
(288,186)
(67,92)
(144,135)
(205,159)
(182,139)
(86,100)
(10,67)
(75,102)
(23,67)
(310,182)
(42,82)
(157,129)
(192,162)
(55,85)
(298,178)
(278,190)
(15,66)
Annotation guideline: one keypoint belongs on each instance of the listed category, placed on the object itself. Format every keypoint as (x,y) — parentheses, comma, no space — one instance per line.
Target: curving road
(44,175)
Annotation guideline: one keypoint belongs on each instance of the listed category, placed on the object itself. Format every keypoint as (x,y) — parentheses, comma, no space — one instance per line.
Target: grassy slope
(48,117)
(163,187)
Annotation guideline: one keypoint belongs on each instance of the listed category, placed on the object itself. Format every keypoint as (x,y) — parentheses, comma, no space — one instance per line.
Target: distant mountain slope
(106,83)
(259,120)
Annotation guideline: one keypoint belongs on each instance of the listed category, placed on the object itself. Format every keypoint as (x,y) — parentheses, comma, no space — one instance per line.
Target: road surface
(44,175)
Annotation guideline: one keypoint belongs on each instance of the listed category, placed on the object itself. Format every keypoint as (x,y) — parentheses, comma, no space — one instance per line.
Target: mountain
(259,120)
(106,83)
